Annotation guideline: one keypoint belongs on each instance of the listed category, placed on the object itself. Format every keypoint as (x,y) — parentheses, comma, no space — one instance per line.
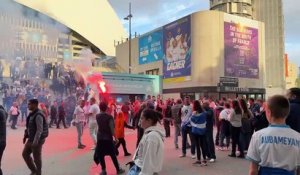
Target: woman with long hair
(246,130)
(235,120)
(198,122)
(148,158)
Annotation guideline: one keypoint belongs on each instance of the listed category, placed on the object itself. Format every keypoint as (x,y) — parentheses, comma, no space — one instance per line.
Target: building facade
(219,48)
(48,31)
(241,8)
(271,13)
(292,75)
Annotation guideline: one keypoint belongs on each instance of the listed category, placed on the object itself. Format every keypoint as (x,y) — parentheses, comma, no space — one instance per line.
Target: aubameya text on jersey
(186,114)
(276,148)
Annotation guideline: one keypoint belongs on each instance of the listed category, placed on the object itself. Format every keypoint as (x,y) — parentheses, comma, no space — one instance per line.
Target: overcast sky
(150,14)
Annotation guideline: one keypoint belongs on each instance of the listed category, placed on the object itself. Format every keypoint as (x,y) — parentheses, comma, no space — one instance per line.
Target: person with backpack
(34,137)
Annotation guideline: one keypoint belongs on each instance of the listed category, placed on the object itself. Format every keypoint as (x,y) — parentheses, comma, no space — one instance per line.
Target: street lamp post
(128,17)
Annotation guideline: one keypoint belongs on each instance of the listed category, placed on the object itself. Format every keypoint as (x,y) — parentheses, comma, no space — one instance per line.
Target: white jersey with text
(186,114)
(276,146)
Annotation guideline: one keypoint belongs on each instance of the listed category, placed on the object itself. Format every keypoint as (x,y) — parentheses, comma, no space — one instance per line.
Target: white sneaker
(193,156)
(212,160)
(220,149)
(182,155)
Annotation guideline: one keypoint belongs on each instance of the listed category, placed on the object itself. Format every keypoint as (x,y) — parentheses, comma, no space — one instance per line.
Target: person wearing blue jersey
(198,122)
(275,149)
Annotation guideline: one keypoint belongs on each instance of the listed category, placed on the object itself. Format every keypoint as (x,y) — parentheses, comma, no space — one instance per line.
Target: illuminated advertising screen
(241,57)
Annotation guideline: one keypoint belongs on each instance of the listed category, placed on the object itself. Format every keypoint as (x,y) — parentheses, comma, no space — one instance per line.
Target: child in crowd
(120,124)
(275,149)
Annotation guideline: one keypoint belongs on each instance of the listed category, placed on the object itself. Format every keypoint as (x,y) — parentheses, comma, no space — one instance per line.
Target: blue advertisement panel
(150,47)
(177,50)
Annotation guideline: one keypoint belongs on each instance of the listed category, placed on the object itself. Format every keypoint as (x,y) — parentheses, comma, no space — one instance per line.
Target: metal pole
(130,37)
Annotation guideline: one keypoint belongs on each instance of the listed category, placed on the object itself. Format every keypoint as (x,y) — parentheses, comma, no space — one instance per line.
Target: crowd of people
(204,125)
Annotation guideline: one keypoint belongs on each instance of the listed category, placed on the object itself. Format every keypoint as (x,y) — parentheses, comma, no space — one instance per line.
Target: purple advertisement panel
(241,51)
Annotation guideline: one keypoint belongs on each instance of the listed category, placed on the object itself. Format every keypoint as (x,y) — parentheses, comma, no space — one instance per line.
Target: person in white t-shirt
(275,149)
(79,121)
(14,113)
(93,111)
(225,127)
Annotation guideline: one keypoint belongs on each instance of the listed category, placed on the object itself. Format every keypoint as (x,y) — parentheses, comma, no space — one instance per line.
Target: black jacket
(31,126)
(3,117)
(209,119)
(105,126)
(293,119)
(260,121)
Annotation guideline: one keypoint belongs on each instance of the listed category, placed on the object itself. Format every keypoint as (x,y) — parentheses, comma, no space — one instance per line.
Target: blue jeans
(134,170)
(79,127)
(187,131)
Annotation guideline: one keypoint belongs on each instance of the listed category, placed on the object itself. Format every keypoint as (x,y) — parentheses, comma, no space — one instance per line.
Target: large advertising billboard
(177,50)
(151,47)
(241,54)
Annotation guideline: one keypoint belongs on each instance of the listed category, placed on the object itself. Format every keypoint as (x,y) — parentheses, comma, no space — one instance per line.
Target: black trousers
(235,136)
(218,133)
(2,148)
(210,144)
(140,133)
(123,142)
(53,120)
(185,132)
(61,119)
(200,143)
(107,144)
(167,128)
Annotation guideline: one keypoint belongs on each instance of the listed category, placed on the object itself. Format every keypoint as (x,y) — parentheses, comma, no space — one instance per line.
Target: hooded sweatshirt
(150,152)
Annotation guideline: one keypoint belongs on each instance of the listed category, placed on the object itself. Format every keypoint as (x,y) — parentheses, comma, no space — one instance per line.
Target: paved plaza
(61,157)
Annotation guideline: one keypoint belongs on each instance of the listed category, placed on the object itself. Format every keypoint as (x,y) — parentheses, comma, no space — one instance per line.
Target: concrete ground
(61,157)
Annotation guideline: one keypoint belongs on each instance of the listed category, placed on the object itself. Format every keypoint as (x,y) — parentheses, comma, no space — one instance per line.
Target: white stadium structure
(58,30)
